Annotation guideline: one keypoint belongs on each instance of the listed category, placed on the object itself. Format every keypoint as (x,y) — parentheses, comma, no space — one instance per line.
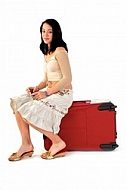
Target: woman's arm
(41,85)
(63,60)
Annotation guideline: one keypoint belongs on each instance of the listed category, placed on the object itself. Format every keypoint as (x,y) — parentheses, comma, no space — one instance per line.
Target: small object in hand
(31,91)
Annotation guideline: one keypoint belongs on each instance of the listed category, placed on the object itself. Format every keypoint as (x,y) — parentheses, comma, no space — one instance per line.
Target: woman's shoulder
(60,50)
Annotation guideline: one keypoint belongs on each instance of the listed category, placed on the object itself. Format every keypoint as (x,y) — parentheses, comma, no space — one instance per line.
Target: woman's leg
(25,134)
(57,143)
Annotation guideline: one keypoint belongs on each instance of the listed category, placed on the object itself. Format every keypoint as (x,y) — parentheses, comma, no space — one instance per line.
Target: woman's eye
(50,32)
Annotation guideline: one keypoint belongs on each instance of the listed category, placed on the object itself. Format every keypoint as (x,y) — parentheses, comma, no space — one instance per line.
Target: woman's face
(47,33)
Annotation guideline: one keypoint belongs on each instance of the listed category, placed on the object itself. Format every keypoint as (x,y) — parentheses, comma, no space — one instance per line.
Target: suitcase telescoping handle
(95,101)
(82,101)
(102,105)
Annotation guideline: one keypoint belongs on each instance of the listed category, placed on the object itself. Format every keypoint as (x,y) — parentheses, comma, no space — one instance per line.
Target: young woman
(44,109)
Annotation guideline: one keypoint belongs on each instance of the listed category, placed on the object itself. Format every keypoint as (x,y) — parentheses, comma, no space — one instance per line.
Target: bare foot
(25,148)
(57,147)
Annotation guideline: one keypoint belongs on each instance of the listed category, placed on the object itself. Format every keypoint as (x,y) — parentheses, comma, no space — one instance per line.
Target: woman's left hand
(38,95)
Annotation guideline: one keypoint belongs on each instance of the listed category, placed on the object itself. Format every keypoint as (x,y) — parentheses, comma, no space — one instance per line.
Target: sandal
(15,157)
(47,155)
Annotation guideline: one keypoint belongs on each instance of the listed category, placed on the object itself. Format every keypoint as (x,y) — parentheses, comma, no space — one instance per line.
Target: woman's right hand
(31,90)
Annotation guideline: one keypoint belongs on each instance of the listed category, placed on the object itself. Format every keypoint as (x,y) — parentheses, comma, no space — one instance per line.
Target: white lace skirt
(45,113)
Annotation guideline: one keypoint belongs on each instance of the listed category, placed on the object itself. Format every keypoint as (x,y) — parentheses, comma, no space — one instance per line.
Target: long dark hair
(57,40)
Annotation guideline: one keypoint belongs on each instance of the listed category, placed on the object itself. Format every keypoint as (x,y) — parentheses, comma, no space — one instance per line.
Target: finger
(37,98)
(28,91)
(34,89)
(35,93)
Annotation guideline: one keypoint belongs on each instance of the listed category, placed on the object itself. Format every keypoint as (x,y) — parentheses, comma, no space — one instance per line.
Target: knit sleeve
(63,61)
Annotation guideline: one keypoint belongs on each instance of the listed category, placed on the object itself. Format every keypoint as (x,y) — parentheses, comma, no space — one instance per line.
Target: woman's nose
(46,34)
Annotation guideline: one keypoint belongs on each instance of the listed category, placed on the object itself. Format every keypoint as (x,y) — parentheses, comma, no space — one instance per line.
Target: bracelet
(46,94)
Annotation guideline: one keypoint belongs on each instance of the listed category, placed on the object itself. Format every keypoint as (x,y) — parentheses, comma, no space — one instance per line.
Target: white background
(96,34)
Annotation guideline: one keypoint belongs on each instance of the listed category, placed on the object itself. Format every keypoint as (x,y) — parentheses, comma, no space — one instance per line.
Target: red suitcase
(88,126)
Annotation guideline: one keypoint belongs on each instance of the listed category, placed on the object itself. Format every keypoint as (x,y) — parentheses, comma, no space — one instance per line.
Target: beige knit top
(57,68)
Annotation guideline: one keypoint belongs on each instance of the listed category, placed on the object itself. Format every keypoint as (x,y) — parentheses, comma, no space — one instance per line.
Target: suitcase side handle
(109,147)
(107,106)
